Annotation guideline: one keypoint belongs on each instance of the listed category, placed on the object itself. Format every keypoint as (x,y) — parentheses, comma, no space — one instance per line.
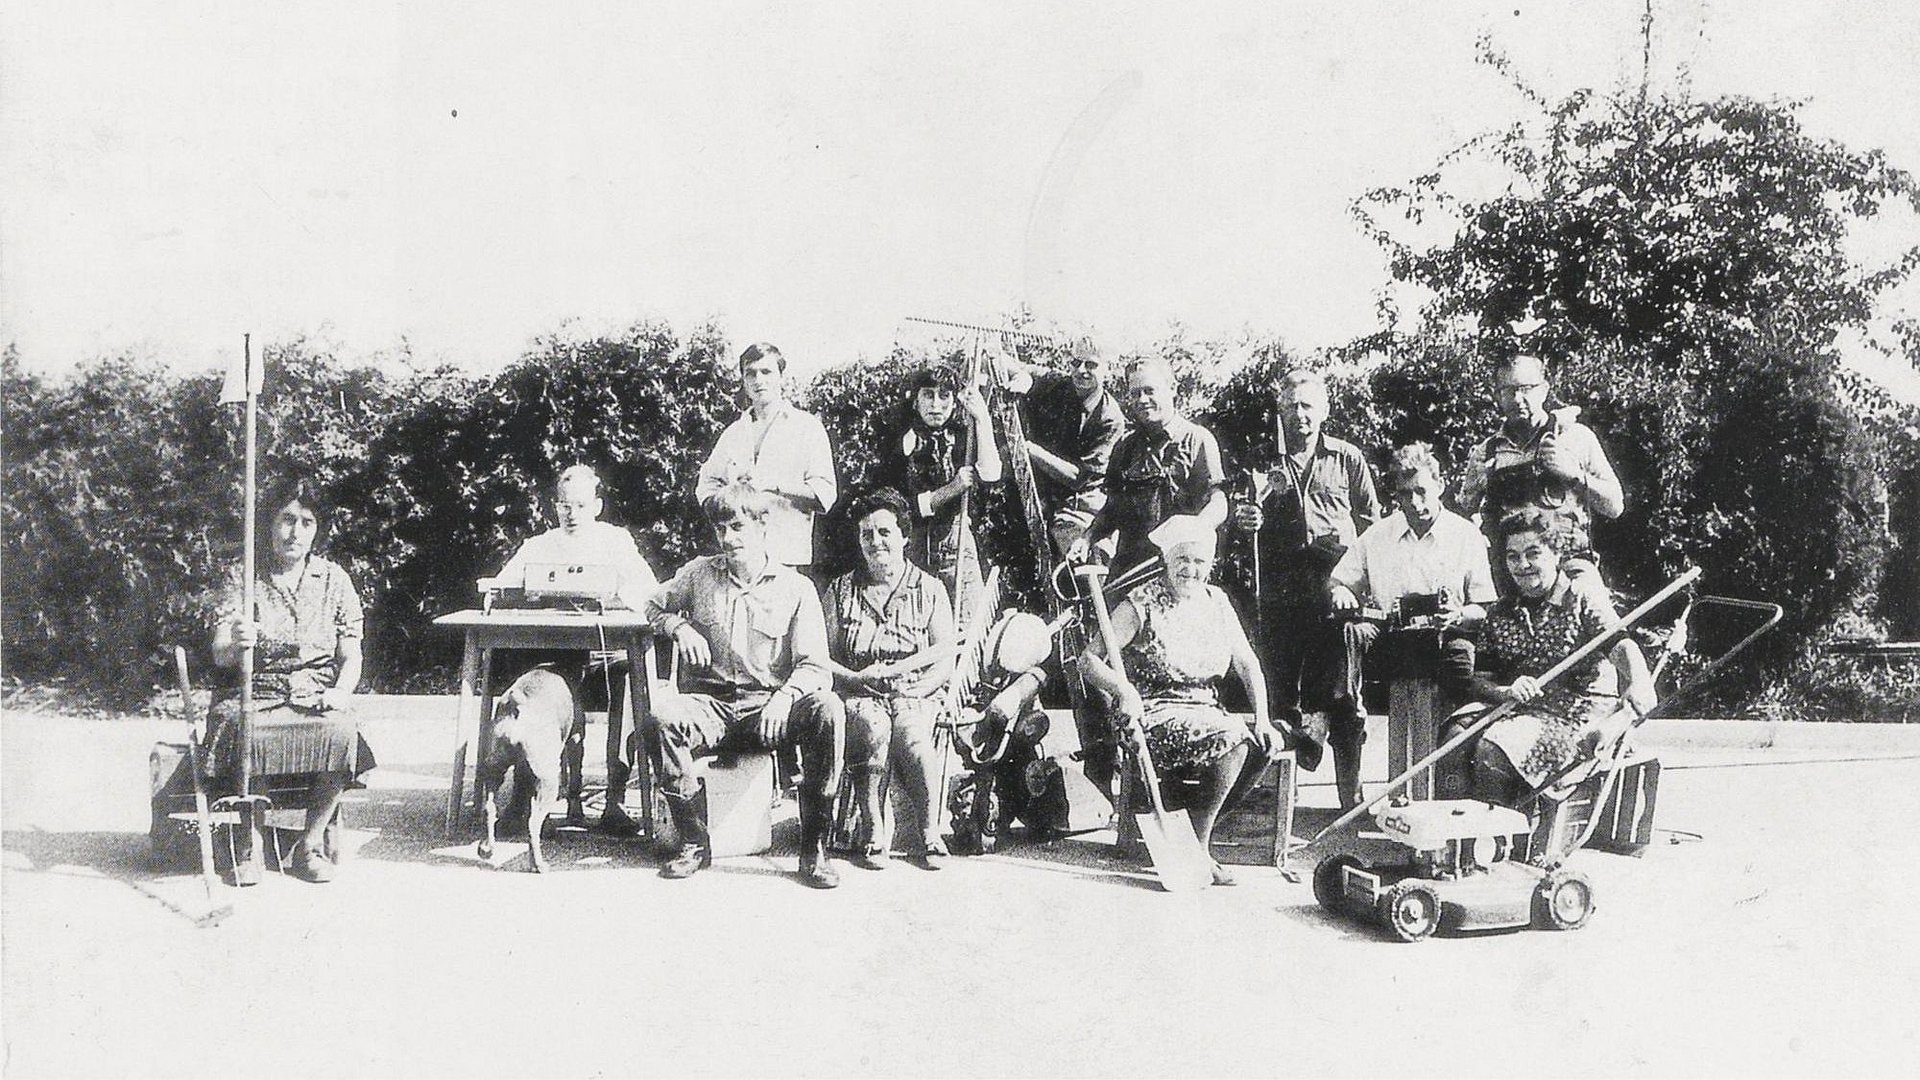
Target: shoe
(690,821)
(310,865)
(933,858)
(614,821)
(870,857)
(692,859)
(1223,876)
(816,820)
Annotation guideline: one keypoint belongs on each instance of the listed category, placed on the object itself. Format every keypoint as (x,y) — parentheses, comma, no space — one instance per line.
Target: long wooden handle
(1597,642)
(1097,597)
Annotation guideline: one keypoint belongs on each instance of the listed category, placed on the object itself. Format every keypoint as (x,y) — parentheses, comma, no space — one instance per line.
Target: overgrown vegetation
(1683,264)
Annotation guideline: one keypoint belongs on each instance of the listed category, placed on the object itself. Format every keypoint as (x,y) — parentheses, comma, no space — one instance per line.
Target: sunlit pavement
(1783,941)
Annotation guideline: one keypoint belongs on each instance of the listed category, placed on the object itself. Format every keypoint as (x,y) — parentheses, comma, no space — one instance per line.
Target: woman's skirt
(1545,738)
(287,741)
(1184,735)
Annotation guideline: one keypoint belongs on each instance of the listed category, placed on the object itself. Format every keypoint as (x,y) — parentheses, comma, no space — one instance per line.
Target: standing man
(1166,465)
(778,449)
(1539,457)
(1318,499)
(752,641)
(1072,426)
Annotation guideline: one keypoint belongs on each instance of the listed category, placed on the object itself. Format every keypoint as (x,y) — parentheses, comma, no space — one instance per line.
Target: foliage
(451,488)
(1684,265)
(122,496)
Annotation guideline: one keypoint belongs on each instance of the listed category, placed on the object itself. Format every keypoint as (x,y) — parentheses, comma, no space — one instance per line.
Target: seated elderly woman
(305,631)
(886,611)
(1549,615)
(1178,636)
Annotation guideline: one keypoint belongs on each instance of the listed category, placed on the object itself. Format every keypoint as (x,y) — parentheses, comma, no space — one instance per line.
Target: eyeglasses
(1090,365)
(1518,388)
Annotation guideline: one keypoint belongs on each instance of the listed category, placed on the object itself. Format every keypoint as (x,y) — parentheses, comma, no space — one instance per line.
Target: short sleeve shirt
(864,629)
(1389,562)
(1155,475)
(597,542)
(301,627)
(1062,424)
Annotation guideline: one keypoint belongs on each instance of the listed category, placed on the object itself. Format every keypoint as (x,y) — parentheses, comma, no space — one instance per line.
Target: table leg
(469,669)
(483,745)
(640,707)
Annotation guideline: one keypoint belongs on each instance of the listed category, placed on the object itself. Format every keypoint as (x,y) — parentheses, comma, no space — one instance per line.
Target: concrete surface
(1784,942)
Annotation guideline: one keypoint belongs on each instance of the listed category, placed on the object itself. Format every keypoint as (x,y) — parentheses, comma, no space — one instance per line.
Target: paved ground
(1784,942)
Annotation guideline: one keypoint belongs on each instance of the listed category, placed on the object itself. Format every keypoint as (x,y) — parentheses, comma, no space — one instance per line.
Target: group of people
(855,674)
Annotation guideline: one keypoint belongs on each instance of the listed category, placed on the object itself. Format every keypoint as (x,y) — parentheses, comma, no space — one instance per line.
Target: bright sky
(470,176)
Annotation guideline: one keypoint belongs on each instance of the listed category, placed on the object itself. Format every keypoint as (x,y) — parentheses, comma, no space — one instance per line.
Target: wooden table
(533,629)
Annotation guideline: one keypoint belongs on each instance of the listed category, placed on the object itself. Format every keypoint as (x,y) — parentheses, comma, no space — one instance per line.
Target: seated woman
(887,611)
(1549,616)
(1178,637)
(305,630)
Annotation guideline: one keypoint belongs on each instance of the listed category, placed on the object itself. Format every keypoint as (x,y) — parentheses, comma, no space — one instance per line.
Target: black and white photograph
(980,539)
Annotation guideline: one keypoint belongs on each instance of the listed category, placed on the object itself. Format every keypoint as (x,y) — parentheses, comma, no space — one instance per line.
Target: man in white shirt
(581,539)
(1422,549)
(775,448)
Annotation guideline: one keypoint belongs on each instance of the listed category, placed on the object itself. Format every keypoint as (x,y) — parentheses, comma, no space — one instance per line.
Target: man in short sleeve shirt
(1166,465)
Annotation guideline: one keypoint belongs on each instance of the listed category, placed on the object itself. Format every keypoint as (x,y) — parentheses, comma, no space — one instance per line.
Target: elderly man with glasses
(1540,457)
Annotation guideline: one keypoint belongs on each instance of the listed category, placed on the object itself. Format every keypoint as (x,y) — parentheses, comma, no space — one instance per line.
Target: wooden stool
(740,799)
(1258,832)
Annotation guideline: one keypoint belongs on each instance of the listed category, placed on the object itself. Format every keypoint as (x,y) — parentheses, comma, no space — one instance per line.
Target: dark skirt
(287,741)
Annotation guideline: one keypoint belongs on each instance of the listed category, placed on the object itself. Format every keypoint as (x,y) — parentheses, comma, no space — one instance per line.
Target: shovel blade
(1178,860)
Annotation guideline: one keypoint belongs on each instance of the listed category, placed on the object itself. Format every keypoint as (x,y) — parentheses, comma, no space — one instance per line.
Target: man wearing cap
(1420,550)
(1166,465)
(1318,499)
(1540,457)
(776,448)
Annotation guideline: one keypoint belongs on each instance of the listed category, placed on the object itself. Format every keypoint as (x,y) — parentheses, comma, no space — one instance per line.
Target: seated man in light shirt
(751,641)
(778,449)
(1422,549)
(581,539)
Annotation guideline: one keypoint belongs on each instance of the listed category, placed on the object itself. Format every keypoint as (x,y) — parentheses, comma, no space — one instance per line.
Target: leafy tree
(1684,263)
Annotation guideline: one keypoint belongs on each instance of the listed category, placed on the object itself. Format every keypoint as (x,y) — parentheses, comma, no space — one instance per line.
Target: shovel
(1178,860)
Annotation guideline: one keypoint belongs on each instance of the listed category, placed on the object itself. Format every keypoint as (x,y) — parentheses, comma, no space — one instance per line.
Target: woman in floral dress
(1546,619)
(1178,637)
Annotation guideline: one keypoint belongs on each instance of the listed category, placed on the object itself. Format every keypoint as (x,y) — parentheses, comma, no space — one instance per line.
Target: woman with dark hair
(305,631)
(1547,617)
(945,448)
(888,610)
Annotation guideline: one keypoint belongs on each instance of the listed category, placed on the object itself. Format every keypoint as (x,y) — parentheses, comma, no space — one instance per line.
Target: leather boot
(816,821)
(1346,771)
(696,845)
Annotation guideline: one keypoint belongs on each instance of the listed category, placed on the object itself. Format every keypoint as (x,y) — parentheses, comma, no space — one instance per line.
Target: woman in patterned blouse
(1548,617)
(1178,637)
(888,610)
(305,630)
